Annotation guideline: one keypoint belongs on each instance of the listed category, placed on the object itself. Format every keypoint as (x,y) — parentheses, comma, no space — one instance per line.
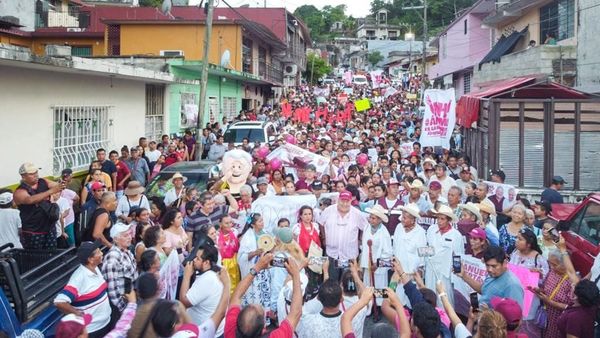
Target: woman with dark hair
(157,209)
(176,237)
(528,254)
(277,181)
(248,254)
(306,231)
(577,320)
(154,239)
(140,248)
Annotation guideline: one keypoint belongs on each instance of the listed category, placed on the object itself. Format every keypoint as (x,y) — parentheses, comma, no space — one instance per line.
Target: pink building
(461,46)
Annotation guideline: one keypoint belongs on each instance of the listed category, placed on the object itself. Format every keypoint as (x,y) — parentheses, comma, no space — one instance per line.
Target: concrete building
(550,27)
(588,58)
(80,105)
(461,46)
(377,28)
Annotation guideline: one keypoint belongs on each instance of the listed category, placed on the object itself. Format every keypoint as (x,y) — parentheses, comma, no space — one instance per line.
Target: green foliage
(319,22)
(316,68)
(440,13)
(374,57)
(151,3)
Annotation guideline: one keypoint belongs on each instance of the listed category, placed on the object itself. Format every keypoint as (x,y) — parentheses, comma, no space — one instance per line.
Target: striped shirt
(199,220)
(87,291)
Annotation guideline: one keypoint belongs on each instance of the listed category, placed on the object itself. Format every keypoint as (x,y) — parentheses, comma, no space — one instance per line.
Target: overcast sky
(356,8)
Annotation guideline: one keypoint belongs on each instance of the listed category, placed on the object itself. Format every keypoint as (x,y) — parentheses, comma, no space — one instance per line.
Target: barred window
(78,132)
(558,20)
(229,107)
(155,112)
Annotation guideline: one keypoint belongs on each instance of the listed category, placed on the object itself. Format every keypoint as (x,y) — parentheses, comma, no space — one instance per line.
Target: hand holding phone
(380,293)
(474,300)
(456,264)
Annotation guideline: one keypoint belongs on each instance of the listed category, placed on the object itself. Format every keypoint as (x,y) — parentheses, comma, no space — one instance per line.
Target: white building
(378,29)
(56,111)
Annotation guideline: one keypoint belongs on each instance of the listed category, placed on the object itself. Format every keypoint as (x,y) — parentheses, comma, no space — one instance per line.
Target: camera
(426,251)
(279,262)
(384,263)
(380,293)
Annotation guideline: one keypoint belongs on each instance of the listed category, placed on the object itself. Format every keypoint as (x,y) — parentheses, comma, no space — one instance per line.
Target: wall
(22,9)
(27,125)
(588,58)
(150,39)
(535,61)
(461,50)
(10,39)
(39,44)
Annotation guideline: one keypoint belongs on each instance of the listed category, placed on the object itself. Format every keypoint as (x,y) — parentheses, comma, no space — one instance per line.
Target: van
(360,80)
(255,131)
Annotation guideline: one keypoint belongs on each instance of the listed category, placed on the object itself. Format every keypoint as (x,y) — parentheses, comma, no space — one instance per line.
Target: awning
(504,46)
(467,107)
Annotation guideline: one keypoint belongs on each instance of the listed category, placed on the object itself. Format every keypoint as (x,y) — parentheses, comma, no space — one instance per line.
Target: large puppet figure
(237,165)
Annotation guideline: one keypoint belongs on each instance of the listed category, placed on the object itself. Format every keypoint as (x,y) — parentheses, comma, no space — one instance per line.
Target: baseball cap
(86,250)
(478,233)
(71,325)
(187,330)
(499,173)
(558,179)
(545,204)
(508,308)
(98,186)
(316,185)
(435,185)
(345,195)
(31,333)
(6,198)
(28,168)
(262,180)
(393,181)
(118,228)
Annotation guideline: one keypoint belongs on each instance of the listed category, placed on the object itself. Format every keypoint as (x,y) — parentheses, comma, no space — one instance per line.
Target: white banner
(321,91)
(439,118)
(376,78)
(294,156)
(475,268)
(273,208)
(389,92)
(506,190)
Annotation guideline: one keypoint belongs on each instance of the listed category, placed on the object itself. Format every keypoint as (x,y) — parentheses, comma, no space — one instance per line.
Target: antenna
(226,58)
(166,8)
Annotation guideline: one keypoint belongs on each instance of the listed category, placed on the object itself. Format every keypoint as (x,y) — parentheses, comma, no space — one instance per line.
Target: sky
(356,8)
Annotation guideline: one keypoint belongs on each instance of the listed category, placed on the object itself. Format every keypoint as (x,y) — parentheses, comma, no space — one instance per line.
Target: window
(81,50)
(78,132)
(558,20)
(587,223)
(155,111)
(229,107)
(443,40)
(466,27)
(467,83)
(247,55)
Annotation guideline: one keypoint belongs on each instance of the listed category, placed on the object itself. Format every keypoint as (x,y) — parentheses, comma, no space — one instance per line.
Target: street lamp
(410,37)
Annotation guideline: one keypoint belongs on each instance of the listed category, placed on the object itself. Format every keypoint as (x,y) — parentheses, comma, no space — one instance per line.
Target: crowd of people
(383,240)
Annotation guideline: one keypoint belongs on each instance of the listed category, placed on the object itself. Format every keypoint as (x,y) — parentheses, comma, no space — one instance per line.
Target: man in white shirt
(10,219)
(152,154)
(445,180)
(202,299)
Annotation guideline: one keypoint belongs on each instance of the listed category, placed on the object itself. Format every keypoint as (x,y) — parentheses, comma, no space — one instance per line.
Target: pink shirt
(341,233)
(177,241)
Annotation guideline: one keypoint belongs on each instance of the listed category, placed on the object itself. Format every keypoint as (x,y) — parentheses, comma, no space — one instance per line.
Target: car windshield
(237,135)
(162,183)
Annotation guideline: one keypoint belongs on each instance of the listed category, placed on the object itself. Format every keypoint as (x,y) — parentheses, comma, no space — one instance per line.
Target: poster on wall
(501,190)
(189,110)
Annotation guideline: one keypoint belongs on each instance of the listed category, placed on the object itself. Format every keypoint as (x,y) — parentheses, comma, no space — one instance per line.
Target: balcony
(269,72)
(71,18)
(559,62)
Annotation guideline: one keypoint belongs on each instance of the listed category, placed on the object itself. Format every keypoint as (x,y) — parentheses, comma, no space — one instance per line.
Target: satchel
(51,210)
(541,316)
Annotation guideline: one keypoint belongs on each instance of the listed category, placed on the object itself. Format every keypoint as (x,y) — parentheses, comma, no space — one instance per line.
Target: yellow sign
(411,96)
(362,105)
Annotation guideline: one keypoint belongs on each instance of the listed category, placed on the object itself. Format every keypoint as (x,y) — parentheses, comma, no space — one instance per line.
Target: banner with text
(273,208)
(294,156)
(473,267)
(439,118)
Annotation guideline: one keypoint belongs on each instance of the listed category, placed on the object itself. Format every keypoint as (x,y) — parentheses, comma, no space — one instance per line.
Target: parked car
(254,131)
(198,173)
(580,225)
(360,80)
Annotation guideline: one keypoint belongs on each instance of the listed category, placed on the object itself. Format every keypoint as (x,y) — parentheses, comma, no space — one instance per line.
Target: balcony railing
(270,72)
(72,18)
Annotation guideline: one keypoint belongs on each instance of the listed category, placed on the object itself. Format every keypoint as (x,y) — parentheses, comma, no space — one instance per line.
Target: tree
(151,3)
(316,68)
(374,57)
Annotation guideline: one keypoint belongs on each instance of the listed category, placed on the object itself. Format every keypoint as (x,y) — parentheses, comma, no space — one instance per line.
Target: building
(588,58)
(377,28)
(80,105)
(550,27)
(460,47)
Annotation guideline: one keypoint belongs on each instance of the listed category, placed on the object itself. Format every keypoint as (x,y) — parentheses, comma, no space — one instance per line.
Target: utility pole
(204,78)
(424,67)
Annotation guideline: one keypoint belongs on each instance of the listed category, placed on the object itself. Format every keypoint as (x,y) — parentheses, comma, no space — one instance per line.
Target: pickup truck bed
(30,280)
